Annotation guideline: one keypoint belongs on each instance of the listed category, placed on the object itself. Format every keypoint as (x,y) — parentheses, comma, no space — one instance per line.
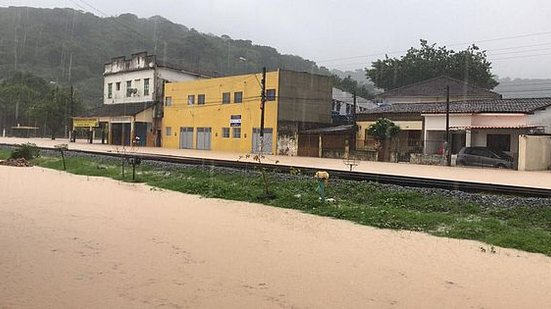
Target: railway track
(410,181)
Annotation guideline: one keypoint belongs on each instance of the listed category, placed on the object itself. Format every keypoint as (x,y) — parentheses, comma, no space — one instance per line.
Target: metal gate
(203,138)
(268,133)
(186,138)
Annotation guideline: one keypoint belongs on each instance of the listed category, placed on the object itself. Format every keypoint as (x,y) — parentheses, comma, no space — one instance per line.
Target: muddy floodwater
(81,242)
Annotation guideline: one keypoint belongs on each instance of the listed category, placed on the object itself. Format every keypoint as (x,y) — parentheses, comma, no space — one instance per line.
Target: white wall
(479,138)
(534,153)
(120,96)
(155,75)
(438,122)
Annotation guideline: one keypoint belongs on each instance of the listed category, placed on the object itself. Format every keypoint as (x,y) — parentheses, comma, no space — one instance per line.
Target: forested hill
(68,46)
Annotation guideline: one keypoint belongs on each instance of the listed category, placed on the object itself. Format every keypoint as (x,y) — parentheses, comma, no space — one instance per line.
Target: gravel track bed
(482,199)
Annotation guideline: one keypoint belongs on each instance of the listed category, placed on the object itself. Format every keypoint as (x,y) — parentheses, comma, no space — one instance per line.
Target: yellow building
(223,114)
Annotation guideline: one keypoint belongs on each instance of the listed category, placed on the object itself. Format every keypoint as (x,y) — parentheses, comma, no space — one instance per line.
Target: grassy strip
(525,228)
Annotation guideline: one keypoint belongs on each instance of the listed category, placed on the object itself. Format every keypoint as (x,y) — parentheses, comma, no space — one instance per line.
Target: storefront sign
(85,123)
(235,121)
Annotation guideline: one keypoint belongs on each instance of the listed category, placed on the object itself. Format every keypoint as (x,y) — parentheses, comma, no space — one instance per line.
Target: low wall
(534,153)
(427,159)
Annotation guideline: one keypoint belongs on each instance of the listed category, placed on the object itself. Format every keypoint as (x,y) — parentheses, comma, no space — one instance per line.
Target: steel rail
(409,181)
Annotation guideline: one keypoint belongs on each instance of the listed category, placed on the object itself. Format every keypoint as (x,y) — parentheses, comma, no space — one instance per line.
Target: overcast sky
(339,34)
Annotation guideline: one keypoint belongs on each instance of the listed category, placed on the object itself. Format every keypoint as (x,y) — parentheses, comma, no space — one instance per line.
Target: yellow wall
(216,115)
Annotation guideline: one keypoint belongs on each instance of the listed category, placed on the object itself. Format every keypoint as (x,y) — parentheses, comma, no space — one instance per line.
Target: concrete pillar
(320,145)
(425,139)
(468,138)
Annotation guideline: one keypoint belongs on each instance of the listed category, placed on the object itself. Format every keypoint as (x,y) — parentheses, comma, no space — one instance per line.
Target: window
(200,99)
(270,95)
(146,86)
(168,101)
(226,97)
(118,86)
(501,142)
(225,132)
(238,97)
(191,99)
(128,88)
(414,138)
(236,132)
(168,131)
(110,90)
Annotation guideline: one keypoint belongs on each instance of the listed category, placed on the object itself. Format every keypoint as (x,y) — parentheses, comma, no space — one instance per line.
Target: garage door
(268,133)
(186,138)
(203,138)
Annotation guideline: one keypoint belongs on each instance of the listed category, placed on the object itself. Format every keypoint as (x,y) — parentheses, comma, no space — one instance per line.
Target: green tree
(383,130)
(17,94)
(52,111)
(430,61)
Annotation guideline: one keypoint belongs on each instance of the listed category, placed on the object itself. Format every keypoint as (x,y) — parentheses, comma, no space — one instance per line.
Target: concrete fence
(534,152)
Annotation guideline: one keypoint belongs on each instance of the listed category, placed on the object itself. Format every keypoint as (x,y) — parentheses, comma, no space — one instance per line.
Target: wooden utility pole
(262,108)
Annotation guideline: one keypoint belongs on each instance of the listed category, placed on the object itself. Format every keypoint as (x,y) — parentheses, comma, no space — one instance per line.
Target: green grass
(525,228)
(4,154)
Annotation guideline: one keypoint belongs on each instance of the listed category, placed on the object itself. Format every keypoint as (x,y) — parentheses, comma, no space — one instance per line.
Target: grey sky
(325,29)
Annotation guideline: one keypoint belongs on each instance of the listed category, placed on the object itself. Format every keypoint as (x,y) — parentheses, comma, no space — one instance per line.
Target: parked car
(484,156)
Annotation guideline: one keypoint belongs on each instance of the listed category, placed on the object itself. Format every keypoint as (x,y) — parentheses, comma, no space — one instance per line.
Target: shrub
(27,151)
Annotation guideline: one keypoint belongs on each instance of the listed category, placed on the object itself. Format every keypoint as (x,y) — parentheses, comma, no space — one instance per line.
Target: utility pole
(354,126)
(71,114)
(447,149)
(262,108)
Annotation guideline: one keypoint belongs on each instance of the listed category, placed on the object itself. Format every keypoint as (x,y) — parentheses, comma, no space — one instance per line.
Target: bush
(27,151)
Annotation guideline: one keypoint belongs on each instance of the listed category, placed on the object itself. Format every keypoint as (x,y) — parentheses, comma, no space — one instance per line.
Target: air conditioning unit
(131,91)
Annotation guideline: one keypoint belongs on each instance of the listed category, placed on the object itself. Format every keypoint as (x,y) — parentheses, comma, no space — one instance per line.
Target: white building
(343,104)
(493,123)
(132,99)
(139,79)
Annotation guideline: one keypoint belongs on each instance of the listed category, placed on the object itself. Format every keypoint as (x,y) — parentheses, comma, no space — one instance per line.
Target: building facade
(493,123)
(342,107)
(223,114)
(132,100)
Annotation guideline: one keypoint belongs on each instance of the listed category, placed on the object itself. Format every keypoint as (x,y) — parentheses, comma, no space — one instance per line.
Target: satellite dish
(151,64)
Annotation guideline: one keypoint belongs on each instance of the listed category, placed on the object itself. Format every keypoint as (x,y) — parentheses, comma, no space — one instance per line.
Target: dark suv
(483,156)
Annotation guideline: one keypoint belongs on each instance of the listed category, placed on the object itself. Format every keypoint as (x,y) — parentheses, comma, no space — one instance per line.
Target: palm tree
(383,131)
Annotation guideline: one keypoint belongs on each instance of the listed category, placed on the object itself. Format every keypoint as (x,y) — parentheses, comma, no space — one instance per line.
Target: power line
(104,14)
(523,56)
(451,45)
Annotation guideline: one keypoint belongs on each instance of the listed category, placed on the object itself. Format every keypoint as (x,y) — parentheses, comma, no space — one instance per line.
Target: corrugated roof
(330,130)
(437,87)
(525,106)
(117,110)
